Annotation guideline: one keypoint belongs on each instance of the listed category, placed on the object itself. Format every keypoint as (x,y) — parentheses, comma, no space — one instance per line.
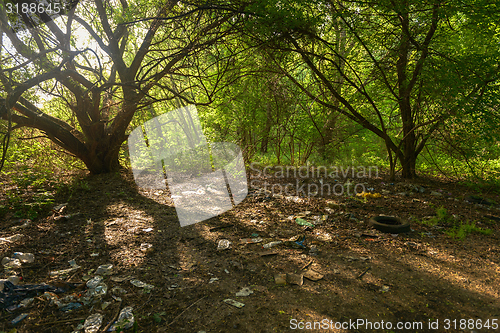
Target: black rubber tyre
(389,224)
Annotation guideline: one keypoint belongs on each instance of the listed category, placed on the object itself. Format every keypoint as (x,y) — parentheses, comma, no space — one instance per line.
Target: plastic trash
(296,242)
(73,264)
(244,292)
(104,269)
(13,279)
(118,291)
(93,323)
(223,244)
(11,239)
(25,258)
(271,244)
(100,290)
(94,282)
(140,284)
(63,271)
(25,223)
(10,263)
(19,318)
(70,307)
(234,303)
(146,247)
(125,319)
(251,240)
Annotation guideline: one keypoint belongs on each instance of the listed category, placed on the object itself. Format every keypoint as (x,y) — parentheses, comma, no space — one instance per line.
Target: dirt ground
(369,280)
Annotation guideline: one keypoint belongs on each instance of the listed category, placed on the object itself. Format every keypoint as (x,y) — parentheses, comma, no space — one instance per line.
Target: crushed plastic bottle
(10,263)
(125,319)
(140,284)
(270,245)
(13,279)
(223,244)
(93,323)
(94,282)
(104,269)
(25,258)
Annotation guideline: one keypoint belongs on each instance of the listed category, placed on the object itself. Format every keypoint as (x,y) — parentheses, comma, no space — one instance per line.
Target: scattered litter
(70,307)
(254,235)
(384,288)
(303,222)
(172,287)
(212,280)
(271,244)
(73,264)
(59,208)
(100,290)
(296,242)
(319,219)
(19,318)
(11,263)
(12,279)
(10,239)
(93,323)
(12,295)
(251,240)
(104,305)
(223,244)
(64,271)
(234,303)
(147,229)
(226,271)
(268,253)
(104,269)
(26,302)
(94,254)
(280,279)
(313,275)
(94,282)
(125,319)
(140,284)
(244,292)
(118,291)
(313,250)
(436,194)
(146,247)
(25,223)
(297,279)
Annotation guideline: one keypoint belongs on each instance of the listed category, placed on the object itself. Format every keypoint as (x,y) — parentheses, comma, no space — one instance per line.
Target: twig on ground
(114,318)
(307,265)
(364,272)
(185,311)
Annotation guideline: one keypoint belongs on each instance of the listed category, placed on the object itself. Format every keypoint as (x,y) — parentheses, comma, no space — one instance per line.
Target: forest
(249,166)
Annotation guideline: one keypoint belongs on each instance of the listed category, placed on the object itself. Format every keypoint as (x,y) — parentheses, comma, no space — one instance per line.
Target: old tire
(389,224)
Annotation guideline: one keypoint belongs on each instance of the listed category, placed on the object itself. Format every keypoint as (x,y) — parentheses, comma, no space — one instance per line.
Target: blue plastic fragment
(19,318)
